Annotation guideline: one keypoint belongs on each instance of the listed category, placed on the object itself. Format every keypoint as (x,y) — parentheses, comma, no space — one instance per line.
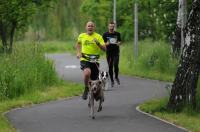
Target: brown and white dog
(95,94)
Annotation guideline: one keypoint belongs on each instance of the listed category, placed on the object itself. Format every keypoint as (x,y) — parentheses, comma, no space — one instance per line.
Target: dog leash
(88,58)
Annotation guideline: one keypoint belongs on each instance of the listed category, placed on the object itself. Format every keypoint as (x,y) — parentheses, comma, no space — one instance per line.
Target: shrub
(24,70)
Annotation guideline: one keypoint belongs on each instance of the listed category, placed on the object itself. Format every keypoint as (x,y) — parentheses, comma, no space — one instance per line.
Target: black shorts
(94,67)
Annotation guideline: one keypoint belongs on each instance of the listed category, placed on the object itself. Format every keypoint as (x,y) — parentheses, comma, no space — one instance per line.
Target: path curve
(72,115)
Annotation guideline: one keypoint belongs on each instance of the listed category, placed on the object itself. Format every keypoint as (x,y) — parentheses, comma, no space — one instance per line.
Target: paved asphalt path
(72,115)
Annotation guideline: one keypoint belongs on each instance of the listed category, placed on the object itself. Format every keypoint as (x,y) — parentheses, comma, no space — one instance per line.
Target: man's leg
(116,68)
(94,71)
(110,64)
(86,78)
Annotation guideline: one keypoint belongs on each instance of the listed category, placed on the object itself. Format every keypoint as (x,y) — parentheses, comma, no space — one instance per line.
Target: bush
(24,70)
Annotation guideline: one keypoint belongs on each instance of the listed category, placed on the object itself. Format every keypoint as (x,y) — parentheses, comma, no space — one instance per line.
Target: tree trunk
(176,39)
(3,36)
(176,42)
(185,84)
(7,33)
(12,32)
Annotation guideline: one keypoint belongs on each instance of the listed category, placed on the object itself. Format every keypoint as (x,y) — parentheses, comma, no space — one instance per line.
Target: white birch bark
(179,17)
(185,84)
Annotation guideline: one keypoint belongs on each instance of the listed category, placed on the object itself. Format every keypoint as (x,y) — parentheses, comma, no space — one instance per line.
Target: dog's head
(103,75)
(95,86)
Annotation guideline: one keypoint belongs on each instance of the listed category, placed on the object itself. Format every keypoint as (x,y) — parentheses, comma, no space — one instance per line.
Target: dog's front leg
(92,107)
(100,106)
(101,101)
(89,102)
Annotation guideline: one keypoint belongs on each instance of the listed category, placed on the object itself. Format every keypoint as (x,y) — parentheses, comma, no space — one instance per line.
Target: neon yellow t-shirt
(88,46)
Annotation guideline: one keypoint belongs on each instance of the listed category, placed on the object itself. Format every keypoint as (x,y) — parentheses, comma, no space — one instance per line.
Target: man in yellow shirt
(89,46)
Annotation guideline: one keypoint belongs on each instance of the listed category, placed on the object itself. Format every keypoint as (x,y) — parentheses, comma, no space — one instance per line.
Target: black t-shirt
(113,38)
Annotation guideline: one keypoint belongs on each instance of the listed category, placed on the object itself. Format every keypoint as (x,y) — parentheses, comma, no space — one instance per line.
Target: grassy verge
(61,91)
(187,118)
(25,70)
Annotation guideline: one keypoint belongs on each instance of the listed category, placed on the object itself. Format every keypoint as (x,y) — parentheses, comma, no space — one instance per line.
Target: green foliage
(157,19)
(14,15)
(15,10)
(154,60)
(62,21)
(25,70)
(67,18)
(98,11)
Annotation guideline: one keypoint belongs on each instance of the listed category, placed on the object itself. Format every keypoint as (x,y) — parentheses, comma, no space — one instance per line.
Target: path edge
(158,118)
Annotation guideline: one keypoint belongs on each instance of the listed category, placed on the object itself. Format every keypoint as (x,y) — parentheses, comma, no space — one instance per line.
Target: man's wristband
(98,43)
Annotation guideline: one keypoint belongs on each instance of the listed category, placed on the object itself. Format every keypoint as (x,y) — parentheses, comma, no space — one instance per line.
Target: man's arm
(105,39)
(78,50)
(102,47)
(119,39)
(119,43)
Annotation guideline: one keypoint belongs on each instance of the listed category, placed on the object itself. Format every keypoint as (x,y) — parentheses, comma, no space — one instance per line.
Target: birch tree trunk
(180,23)
(185,84)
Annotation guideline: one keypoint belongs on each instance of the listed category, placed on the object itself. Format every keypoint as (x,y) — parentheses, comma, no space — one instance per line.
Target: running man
(89,46)
(113,41)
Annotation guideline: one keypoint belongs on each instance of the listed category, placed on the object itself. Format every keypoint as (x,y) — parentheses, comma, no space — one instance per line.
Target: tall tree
(62,22)
(177,39)
(98,11)
(14,14)
(184,86)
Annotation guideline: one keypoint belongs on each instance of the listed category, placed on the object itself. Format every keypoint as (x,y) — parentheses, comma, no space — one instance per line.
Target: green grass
(58,46)
(59,91)
(154,60)
(54,46)
(25,70)
(187,118)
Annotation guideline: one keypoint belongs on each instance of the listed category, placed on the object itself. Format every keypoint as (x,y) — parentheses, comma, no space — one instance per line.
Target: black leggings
(113,60)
